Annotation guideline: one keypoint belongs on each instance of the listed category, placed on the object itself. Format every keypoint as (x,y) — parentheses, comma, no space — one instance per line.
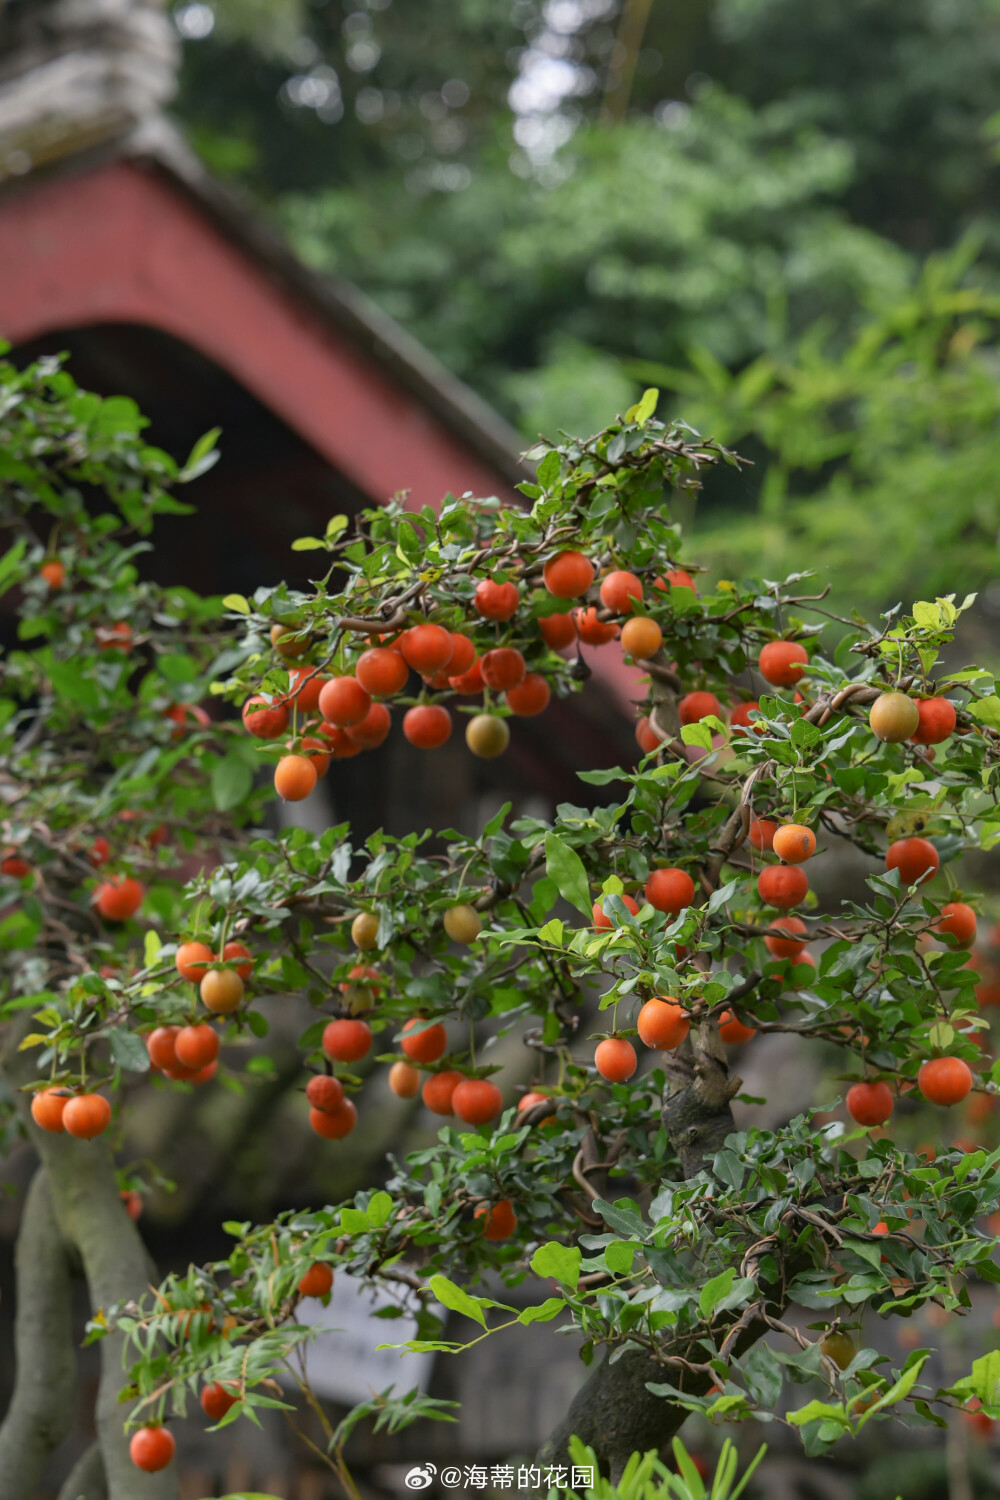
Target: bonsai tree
(638,946)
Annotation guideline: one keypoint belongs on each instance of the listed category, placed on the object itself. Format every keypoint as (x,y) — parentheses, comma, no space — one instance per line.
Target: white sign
(342,1361)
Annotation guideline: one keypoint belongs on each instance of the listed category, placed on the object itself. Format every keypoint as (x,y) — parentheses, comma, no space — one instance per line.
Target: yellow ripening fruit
(364,931)
(893,718)
(462,924)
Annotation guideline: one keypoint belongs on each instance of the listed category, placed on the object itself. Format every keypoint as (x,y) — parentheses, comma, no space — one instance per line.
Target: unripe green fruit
(487,736)
(839,1347)
(894,718)
(462,924)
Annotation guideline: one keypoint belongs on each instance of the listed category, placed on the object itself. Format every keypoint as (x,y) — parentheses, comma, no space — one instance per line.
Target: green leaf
(128,1050)
(232,780)
(618,1257)
(549,469)
(714,1291)
(151,945)
(561,1262)
(542,1312)
(453,1297)
(237,603)
(203,456)
(308,544)
(644,408)
(335,526)
(987,711)
(819,1411)
(379,1209)
(566,868)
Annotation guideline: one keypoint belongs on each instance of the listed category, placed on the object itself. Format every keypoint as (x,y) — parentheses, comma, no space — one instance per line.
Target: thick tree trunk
(41,1410)
(92,1219)
(613,1412)
(87,1481)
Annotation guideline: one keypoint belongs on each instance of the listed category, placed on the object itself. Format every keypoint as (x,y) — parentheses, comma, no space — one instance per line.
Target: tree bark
(613,1412)
(41,1410)
(92,1219)
(86,1482)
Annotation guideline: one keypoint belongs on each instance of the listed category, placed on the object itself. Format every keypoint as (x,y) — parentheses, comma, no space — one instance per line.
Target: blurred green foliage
(758,220)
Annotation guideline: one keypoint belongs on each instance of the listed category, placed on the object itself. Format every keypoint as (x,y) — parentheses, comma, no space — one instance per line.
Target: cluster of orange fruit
(346,714)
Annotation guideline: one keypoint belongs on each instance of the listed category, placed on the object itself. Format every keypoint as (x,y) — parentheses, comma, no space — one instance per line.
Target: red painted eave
(123,244)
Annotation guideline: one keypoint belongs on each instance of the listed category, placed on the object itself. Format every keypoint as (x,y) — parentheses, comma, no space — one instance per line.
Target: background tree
(704,1268)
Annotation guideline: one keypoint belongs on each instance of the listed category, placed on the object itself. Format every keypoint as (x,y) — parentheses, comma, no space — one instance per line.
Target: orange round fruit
(234,950)
(295,778)
(334,1124)
(782,663)
(499,1218)
(869,1103)
(670,890)
(119,898)
(696,706)
(568,575)
(54,573)
(558,631)
(530,696)
(346,1040)
(739,718)
(425,1045)
(324,1092)
(404,1080)
(615,1059)
(344,702)
(663,1024)
(916,860)
(216,1399)
(591,630)
(288,642)
(646,736)
(956,925)
(641,637)
(47,1108)
(945,1080)
(783,946)
(192,960)
(621,591)
(152,1449)
(86,1116)
(197,1046)
(761,834)
(438,1091)
(221,991)
(495,601)
(317,1281)
(427,726)
(794,843)
(733,1030)
(783,886)
(427,648)
(267,721)
(381,672)
(476,1101)
(371,732)
(936,721)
